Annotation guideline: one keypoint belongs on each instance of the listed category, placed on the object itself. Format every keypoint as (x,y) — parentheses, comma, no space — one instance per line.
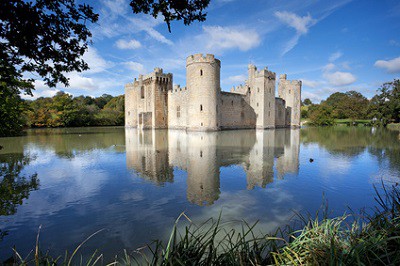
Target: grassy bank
(394,126)
(356,239)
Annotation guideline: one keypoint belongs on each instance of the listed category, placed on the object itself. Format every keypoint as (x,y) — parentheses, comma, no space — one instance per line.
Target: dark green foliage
(321,115)
(52,35)
(186,10)
(307,101)
(11,108)
(351,104)
(385,106)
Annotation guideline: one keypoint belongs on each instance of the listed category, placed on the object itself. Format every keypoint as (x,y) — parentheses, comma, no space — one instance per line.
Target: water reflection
(15,186)
(155,153)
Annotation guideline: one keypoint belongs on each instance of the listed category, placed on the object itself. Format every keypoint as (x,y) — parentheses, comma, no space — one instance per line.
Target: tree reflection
(14,185)
(352,141)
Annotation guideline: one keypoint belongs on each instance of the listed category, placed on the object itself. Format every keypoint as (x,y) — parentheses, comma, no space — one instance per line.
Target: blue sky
(329,45)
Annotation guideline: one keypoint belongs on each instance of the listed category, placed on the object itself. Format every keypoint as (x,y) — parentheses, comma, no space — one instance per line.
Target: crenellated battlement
(241,89)
(283,78)
(265,73)
(178,89)
(200,58)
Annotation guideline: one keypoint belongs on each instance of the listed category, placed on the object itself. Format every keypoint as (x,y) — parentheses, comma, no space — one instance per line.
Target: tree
(186,10)
(385,106)
(307,101)
(321,115)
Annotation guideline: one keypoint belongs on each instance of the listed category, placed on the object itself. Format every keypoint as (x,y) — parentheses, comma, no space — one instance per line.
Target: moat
(134,184)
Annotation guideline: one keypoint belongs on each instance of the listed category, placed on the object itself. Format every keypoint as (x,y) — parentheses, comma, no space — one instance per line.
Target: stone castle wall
(235,111)
(152,102)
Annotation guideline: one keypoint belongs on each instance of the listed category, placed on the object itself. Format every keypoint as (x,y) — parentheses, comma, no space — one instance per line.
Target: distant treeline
(382,109)
(64,110)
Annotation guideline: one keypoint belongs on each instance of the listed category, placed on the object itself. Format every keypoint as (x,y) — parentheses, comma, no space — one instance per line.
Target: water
(134,184)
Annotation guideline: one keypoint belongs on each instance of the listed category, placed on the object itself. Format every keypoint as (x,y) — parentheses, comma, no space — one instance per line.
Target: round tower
(203,83)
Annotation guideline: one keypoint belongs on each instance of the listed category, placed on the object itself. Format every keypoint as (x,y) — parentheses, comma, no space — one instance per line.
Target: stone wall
(235,111)
(178,104)
(280,113)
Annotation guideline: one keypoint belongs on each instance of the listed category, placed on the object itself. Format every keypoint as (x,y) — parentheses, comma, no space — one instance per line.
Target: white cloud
(131,44)
(135,66)
(329,67)
(228,38)
(335,56)
(95,61)
(339,78)
(391,66)
(310,83)
(77,81)
(300,24)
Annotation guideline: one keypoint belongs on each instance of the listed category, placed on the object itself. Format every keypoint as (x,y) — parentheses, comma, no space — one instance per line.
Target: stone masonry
(152,102)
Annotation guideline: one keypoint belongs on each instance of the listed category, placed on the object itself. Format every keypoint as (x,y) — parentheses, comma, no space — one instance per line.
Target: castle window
(178,111)
(222,102)
(201,124)
(232,102)
(257,104)
(242,114)
(269,113)
(201,153)
(289,91)
(142,92)
(258,89)
(201,107)
(269,90)
(129,113)
(269,104)
(201,72)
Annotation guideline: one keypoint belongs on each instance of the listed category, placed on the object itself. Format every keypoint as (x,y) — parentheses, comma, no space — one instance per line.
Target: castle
(152,102)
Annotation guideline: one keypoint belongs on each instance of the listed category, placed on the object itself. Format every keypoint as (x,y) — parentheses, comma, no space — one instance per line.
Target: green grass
(355,239)
(348,120)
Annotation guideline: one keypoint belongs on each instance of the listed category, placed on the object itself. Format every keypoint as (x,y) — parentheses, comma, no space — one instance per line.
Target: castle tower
(262,96)
(290,91)
(146,100)
(203,84)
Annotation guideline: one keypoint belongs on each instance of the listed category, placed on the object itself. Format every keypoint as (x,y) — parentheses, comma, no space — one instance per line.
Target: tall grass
(353,239)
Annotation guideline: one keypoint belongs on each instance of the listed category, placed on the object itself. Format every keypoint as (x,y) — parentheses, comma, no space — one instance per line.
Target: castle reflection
(154,153)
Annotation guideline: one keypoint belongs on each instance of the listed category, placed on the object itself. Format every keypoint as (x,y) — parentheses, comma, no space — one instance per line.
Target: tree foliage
(186,10)
(46,37)
(385,106)
(63,110)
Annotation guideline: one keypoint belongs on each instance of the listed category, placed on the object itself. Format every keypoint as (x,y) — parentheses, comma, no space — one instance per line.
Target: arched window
(201,72)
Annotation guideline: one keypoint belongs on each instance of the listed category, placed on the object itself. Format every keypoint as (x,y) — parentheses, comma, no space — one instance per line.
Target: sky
(332,46)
